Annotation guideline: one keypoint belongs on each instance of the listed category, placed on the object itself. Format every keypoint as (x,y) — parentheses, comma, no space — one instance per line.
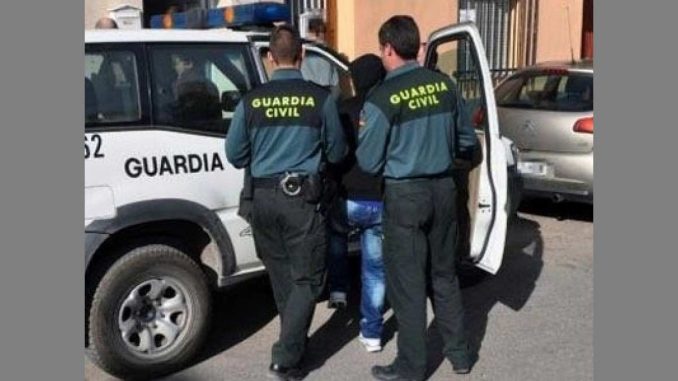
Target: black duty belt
(265,182)
(441,175)
(290,183)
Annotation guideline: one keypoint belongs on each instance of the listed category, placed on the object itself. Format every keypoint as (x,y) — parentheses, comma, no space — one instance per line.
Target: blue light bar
(236,16)
(192,19)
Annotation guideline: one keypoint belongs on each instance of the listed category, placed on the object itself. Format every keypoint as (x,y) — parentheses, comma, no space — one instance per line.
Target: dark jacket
(367,72)
(355,183)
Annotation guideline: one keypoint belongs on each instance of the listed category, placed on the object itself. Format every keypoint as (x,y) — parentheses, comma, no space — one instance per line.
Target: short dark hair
(402,33)
(285,44)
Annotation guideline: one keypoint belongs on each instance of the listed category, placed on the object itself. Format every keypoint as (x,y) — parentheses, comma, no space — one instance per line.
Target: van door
(195,87)
(457,52)
(116,101)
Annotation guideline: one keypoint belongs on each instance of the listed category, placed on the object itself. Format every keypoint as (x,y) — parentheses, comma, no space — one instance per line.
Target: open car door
(457,52)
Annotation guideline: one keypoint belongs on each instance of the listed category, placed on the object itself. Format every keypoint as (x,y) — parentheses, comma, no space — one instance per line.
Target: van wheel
(150,313)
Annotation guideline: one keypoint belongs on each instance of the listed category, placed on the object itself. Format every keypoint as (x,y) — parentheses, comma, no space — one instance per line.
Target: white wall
(95,9)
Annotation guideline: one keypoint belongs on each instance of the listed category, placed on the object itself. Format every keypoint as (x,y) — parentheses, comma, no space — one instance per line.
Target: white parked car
(547,109)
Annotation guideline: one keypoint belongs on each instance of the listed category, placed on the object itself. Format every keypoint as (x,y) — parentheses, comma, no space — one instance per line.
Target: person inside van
(197,98)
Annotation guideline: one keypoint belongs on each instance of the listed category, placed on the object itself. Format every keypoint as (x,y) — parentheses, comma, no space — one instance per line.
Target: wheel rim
(153,316)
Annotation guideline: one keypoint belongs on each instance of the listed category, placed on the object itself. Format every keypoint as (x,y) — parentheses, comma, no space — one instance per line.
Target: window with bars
(508,29)
(300,7)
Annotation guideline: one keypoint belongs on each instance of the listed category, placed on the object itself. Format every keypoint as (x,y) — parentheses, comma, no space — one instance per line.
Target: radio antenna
(569,33)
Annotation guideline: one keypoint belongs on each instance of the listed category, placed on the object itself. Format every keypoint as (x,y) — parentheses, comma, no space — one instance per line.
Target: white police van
(161,201)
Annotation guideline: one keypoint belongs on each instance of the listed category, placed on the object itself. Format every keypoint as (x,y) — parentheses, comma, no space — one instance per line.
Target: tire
(150,313)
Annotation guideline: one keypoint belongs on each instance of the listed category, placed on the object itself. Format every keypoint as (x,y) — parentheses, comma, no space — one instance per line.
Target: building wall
(553,39)
(95,9)
(359,21)
(345,30)
(228,3)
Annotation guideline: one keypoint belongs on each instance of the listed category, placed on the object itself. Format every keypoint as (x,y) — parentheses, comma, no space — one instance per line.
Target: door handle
(481,205)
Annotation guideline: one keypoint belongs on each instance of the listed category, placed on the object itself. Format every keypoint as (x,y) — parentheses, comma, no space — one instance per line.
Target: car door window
(111,87)
(454,60)
(319,69)
(534,89)
(575,93)
(507,91)
(197,87)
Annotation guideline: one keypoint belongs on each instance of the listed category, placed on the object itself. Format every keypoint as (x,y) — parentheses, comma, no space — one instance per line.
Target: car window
(456,59)
(533,89)
(197,86)
(508,89)
(268,66)
(111,87)
(320,70)
(575,93)
(548,91)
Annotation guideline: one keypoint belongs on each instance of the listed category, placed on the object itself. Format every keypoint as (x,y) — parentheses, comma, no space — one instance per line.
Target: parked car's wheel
(149,314)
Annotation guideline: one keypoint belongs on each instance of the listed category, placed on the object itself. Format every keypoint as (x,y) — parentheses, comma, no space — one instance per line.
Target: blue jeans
(363,217)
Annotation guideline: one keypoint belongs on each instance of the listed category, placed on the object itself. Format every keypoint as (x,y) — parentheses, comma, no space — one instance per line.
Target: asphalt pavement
(531,321)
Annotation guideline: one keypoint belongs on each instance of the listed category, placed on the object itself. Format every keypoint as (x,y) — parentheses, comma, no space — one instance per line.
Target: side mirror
(229,100)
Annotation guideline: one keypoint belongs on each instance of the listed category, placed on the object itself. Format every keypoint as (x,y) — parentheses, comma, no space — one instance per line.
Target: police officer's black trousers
(420,232)
(291,239)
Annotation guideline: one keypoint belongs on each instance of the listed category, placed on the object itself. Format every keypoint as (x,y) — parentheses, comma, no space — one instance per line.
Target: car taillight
(584,125)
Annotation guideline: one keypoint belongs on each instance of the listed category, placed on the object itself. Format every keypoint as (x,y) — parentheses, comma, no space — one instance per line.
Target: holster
(246,197)
(312,189)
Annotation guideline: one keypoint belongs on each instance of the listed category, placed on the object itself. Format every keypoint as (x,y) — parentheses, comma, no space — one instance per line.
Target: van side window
(111,87)
(197,86)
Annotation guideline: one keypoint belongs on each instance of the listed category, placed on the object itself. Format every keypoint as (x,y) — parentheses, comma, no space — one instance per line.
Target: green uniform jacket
(285,125)
(413,125)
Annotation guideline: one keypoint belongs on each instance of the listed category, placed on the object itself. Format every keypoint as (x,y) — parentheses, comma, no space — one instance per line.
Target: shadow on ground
(247,307)
(512,286)
(240,312)
(560,211)
(342,327)
(244,309)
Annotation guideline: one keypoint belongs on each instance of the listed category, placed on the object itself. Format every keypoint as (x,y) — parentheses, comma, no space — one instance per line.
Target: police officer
(413,129)
(283,130)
